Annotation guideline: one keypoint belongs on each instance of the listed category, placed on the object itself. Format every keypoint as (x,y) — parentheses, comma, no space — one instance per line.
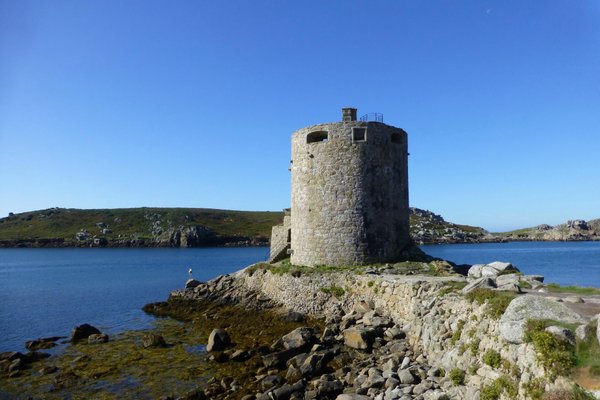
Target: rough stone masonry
(349,194)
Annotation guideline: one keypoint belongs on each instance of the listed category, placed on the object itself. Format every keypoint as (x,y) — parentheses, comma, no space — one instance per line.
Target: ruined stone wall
(279,240)
(349,197)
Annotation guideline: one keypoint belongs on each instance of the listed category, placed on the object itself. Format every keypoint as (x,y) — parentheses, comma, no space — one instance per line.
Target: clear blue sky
(191,104)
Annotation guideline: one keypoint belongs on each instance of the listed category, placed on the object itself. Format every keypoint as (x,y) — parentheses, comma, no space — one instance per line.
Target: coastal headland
(199,227)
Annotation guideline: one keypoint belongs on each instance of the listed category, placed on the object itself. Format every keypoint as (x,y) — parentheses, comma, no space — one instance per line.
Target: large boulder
(153,340)
(480,283)
(490,270)
(512,323)
(97,338)
(564,334)
(42,343)
(475,271)
(496,268)
(82,332)
(218,340)
(298,338)
(359,338)
(192,283)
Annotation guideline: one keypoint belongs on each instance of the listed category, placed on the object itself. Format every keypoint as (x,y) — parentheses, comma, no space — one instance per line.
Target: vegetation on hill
(166,227)
(427,227)
(573,230)
(192,227)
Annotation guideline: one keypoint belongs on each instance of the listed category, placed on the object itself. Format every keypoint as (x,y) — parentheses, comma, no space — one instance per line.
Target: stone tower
(349,194)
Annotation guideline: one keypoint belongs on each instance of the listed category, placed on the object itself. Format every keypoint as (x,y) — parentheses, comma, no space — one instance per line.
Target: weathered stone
(284,392)
(562,333)
(315,364)
(97,338)
(153,340)
(66,379)
(271,381)
(508,279)
(192,283)
(359,338)
(218,340)
(294,316)
(475,271)
(573,299)
(82,332)
(500,267)
(42,343)
(481,283)
(48,369)
(405,363)
(583,332)
(406,377)
(352,396)
(278,359)
(299,338)
(525,307)
(240,355)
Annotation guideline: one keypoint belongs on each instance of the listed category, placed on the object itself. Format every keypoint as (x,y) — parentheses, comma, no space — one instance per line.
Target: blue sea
(46,292)
(566,263)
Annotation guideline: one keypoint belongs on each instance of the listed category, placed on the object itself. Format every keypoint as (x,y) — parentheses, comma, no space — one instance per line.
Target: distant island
(201,227)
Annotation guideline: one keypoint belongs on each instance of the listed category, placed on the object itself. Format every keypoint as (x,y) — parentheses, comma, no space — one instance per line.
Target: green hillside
(141,226)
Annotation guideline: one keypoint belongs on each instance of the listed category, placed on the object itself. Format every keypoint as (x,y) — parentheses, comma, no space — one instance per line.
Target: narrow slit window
(396,138)
(359,134)
(316,137)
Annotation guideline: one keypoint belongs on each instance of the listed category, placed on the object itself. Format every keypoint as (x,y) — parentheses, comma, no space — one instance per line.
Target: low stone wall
(449,330)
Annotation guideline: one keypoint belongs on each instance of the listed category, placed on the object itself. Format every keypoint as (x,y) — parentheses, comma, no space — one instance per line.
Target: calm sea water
(46,292)
(566,263)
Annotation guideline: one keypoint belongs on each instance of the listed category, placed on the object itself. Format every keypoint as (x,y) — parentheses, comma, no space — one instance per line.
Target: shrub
(492,358)
(456,335)
(497,301)
(473,369)
(457,376)
(474,346)
(588,352)
(495,389)
(334,290)
(535,388)
(556,356)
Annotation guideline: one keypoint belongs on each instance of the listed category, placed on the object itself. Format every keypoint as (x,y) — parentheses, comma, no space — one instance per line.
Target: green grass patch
(492,358)
(333,290)
(457,376)
(474,346)
(497,301)
(587,352)
(504,384)
(554,287)
(451,287)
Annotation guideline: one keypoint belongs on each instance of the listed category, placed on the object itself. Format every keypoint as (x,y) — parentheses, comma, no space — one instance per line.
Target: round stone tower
(349,193)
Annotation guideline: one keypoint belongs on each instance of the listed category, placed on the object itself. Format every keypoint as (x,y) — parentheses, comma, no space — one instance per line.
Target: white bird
(190,272)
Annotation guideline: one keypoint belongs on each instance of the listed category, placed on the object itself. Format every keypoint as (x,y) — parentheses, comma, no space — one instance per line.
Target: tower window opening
(318,136)
(396,138)
(359,134)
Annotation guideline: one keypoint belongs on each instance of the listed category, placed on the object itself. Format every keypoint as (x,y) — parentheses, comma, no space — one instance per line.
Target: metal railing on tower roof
(377,117)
